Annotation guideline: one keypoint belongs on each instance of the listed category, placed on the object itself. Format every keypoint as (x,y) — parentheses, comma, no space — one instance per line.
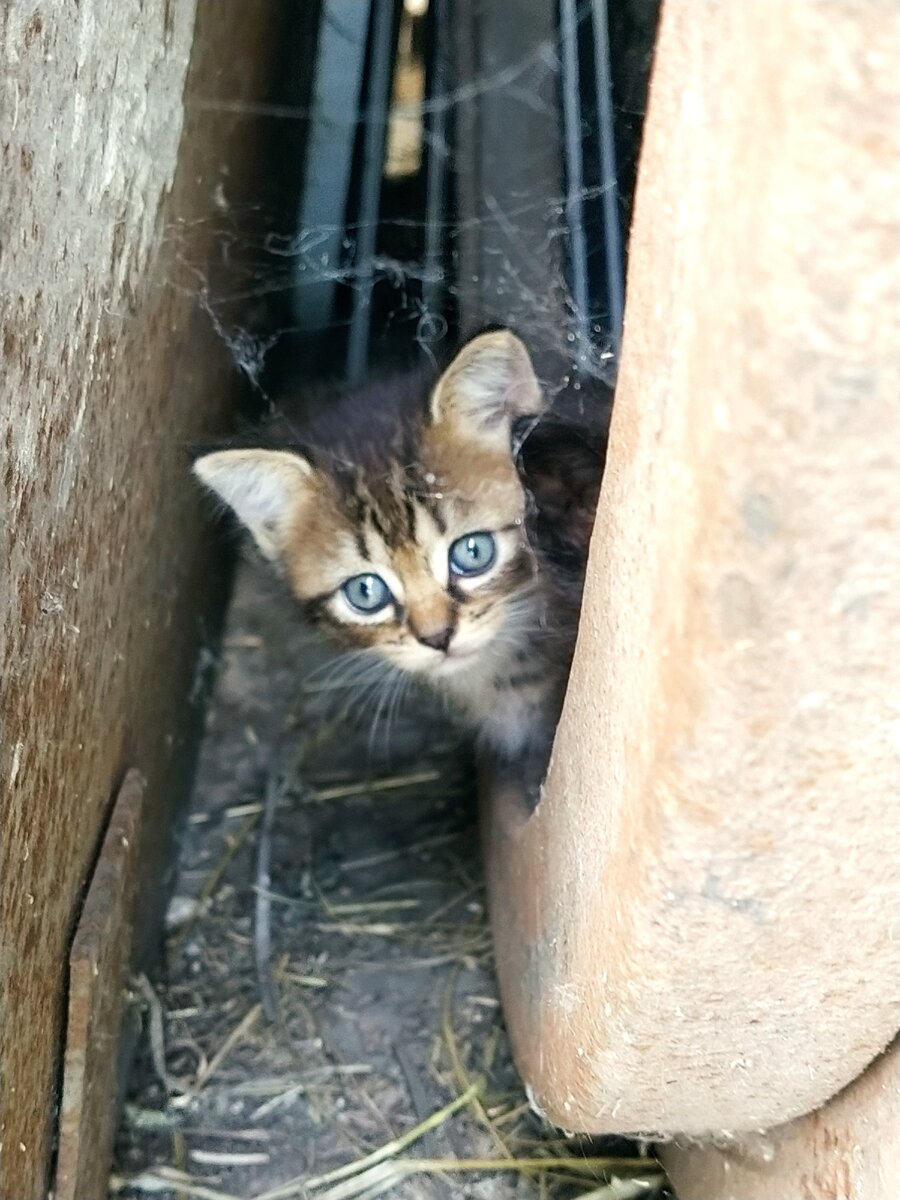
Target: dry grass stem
(168,1179)
(381,1177)
(388,1150)
(391,783)
(237,1035)
(233,844)
(626,1189)
(157,1031)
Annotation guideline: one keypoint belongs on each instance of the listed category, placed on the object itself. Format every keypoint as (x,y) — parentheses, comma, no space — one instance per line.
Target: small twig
(464,1166)
(413,1081)
(157,1031)
(284,1097)
(237,1034)
(309,981)
(166,1179)
(229,1158)
(211,885)
(376,860)
(262,924)
(472,890)
(626,1189)
(459,1068)
(393,783)
(147,1118)
(379,1179)
(371,1183)
(179,1159)
(255,808)
(368,929)
(371,906)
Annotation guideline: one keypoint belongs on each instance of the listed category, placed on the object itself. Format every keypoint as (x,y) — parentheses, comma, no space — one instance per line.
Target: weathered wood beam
(128,164)
(697,931)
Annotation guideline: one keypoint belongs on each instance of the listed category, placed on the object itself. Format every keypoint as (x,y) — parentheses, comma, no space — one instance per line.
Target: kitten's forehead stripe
(359,522)
(410,509)
(433,508)
(374,518)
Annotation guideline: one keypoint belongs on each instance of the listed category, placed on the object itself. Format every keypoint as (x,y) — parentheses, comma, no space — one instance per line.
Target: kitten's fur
(386,480)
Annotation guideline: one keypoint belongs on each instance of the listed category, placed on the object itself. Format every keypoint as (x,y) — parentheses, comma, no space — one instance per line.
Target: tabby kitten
(439,529)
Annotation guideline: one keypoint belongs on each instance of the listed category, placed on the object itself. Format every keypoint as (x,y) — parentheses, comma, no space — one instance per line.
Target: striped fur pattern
(385,484)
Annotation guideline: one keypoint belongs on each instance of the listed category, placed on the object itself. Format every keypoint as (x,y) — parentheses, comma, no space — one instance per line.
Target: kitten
(440,529)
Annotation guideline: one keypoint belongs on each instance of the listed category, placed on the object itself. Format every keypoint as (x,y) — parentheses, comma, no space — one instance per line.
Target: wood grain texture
(698,929)
(124,172)
(847,1150)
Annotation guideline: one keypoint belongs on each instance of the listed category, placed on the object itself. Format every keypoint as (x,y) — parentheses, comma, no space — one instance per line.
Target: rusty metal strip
(98,975)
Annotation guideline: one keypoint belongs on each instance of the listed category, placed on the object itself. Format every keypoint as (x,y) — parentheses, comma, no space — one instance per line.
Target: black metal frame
(588,146)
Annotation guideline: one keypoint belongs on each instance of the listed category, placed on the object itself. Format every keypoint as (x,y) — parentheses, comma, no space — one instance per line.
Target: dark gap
(632,36)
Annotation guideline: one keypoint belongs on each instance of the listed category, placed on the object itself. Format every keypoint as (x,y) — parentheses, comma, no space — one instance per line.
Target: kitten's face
(425,562)
(429,564)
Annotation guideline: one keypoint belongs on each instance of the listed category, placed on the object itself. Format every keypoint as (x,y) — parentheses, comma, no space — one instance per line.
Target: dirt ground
(380,956)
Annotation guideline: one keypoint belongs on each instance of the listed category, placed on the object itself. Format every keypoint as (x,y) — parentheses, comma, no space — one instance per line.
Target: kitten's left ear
(488,385)
(265,488)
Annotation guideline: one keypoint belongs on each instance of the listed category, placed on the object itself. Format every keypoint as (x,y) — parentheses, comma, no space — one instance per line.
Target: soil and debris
(386,1070)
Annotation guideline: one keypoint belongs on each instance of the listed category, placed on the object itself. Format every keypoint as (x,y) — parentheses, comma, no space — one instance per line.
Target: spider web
(417,308)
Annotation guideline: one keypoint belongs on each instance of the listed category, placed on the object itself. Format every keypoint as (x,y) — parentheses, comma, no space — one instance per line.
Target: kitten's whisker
(401,690)
(342,661)
(348,674)
(358,703)
(382,701)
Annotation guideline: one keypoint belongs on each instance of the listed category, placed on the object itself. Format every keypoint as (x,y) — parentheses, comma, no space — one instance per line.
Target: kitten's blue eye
(367,593)
(473,554)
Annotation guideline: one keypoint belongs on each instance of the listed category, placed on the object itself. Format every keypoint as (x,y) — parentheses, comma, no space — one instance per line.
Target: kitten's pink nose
(437,640)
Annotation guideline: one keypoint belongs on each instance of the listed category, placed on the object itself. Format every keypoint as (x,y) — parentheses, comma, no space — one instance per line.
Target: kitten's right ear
(263,487)
(488,385)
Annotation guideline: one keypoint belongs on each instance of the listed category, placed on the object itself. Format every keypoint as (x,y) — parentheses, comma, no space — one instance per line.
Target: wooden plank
(98,977)
(847,1150)
(132,150)
(696,932)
